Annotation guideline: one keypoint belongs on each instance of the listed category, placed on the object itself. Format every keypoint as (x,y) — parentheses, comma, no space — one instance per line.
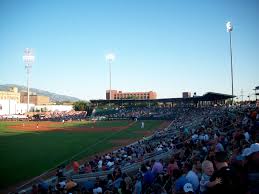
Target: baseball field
(28,149)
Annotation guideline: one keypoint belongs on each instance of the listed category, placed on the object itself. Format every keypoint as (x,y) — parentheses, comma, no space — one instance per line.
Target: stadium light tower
(229,30)
(28,59)
(110,58)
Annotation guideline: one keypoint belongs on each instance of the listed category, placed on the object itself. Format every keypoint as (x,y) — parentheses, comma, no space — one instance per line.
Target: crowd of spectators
(153,112)
(208,150)
(61,116)
(49,116)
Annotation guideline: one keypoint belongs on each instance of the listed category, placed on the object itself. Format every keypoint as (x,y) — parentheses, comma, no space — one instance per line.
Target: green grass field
(25,155)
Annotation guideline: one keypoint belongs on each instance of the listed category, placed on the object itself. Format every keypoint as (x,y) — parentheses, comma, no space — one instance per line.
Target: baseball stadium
(123,142)
(129,97)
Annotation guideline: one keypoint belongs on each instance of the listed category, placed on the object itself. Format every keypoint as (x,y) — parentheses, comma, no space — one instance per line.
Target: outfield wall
(10,107)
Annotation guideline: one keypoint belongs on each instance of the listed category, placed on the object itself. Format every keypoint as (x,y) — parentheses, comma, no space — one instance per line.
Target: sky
(166,46)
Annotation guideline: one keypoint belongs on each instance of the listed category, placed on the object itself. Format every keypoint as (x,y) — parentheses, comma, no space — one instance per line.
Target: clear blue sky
(165,46)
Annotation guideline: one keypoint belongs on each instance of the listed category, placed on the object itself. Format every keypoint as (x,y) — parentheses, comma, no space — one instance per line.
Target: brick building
(34,99)
(117,95)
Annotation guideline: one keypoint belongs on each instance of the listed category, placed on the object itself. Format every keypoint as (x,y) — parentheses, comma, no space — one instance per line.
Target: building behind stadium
(15,102)
(118,95)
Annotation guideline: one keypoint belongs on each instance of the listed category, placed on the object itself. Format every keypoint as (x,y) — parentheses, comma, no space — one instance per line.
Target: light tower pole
(28,59)
(110,58)
(242,94)
(229,29)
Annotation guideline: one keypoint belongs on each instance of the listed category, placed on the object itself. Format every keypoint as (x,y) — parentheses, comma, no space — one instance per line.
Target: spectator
(157,168)
(252,168)
(138,184)
(230,182)
(70,185)
(179,181)
(172,165)
(192,177)
(207,169)
(76,167)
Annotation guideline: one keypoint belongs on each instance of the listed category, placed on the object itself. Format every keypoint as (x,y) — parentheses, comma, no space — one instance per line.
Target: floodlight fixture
(110,57)
(229,26)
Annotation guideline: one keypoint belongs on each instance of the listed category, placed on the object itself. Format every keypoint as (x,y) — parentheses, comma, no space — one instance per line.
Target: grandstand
(152,164)
(210,98)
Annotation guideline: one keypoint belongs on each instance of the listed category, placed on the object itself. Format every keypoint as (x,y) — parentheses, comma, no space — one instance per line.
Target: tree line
(83,106)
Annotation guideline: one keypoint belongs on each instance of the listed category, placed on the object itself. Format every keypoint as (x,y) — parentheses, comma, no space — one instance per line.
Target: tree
(80,106)
(83,106)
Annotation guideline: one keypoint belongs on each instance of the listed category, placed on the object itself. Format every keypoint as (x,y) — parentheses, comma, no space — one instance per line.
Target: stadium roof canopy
(210,96)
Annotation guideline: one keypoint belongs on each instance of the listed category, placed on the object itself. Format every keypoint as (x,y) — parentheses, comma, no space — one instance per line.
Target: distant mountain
(52,96)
